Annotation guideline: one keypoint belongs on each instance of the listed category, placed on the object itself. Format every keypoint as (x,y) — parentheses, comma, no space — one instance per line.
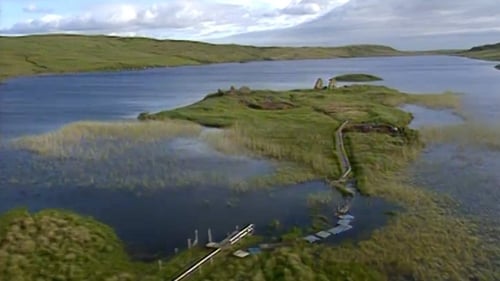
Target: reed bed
(467,134)
(426,241)
(72,138)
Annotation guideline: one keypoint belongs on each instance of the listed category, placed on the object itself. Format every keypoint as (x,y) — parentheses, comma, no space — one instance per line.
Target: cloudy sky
(407,24)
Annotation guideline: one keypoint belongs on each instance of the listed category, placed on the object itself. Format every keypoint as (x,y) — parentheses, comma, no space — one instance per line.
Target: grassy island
(497,66)
(298,126)
(425,241)
(357,77)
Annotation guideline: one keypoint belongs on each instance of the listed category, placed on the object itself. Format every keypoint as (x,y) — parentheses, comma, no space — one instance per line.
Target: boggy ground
(426,241)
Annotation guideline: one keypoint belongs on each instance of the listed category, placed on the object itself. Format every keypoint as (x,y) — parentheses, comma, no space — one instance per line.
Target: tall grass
(73,137)
(475,134)
(446,100)
(426,241)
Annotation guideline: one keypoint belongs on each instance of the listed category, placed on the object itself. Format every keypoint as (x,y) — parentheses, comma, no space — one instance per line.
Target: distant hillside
(485,52)
(36,54)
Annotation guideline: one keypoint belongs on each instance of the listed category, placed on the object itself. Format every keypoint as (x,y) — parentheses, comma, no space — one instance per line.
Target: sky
(406,24)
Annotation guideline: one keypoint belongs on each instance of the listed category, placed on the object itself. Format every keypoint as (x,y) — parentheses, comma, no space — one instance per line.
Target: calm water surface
(156,221)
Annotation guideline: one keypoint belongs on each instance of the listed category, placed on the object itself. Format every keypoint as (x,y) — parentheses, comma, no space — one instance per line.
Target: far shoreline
(5,79)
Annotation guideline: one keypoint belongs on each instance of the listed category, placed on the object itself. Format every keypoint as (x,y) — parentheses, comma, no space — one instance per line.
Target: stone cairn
(331,83)
(319,84)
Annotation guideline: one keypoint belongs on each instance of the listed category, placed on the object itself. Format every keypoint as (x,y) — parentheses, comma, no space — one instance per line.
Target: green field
(38,54)
(357,77)
(485,52)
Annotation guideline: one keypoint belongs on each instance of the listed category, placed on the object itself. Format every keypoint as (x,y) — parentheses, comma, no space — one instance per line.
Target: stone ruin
(331,83)
(319,84)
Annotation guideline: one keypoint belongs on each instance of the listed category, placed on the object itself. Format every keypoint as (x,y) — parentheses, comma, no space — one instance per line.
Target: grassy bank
(267,122)
(425,242)
(39,54)
(485,52)
(60,245)
(357,77)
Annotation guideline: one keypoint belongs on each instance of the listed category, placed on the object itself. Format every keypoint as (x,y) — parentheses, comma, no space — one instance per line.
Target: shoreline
(377,160)
(5,78)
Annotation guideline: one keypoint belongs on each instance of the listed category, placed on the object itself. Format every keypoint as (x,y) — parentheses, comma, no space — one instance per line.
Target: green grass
(426,241)
(37,54)
(56,245)
(485,52)
(467,134)
(357,77)
(68,140)
(60,245)
(304,133)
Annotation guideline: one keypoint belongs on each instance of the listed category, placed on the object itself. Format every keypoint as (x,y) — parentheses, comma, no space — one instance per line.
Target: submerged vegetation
(128,155)
(67,141)
(314,117)
(424,242)
(357,77)
(466,134)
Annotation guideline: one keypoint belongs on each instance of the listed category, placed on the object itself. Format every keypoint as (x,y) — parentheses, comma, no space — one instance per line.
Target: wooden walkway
(232,239)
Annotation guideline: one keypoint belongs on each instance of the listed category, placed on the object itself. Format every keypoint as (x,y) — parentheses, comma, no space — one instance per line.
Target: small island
(497,66)
(357,77)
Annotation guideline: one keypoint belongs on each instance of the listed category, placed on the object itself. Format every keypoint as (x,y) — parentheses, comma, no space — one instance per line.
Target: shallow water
(157,220)
(38,104)
(465,174)
(154,223)
(119,164)
(425,117)
(156,194)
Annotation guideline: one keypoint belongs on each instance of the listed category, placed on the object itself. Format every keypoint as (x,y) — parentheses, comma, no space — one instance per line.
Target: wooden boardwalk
(232,239)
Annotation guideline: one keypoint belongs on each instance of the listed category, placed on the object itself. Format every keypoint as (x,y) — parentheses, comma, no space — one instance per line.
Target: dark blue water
(37,104)
(153,221)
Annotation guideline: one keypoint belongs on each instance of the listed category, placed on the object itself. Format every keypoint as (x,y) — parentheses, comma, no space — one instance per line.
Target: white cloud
(34,9)
(311,7)
(408,24)
(193,17)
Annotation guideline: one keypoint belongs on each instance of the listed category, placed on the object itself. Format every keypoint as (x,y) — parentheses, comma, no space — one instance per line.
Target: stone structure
(331,83)
(319,84)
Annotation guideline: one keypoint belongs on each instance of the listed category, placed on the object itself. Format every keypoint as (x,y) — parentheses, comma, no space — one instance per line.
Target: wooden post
(195,243)
(159,265)
(189,243)
(210,236)
(176,251)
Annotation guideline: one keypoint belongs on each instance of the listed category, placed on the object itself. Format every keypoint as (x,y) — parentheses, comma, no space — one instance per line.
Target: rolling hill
(37,54)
